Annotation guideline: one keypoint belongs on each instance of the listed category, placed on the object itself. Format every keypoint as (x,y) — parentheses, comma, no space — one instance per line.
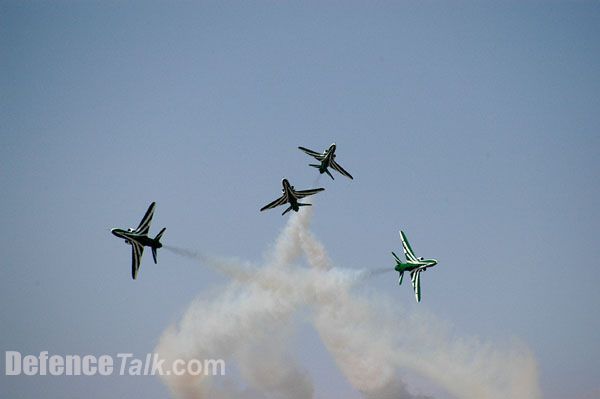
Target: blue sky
(473,127)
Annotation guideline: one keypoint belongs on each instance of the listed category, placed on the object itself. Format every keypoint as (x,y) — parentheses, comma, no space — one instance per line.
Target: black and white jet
(291,196)
(327,159)
(138,239)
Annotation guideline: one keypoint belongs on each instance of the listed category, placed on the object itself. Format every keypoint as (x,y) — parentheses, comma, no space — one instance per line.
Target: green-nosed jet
(138,239)
(413,265)
(291,196)
(327,159)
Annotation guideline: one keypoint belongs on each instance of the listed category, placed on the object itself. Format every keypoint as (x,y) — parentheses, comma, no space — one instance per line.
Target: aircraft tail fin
(160,233)
(157,239)
(315,165)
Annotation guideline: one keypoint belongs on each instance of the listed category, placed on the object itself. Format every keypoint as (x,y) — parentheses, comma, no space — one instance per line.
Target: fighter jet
(327,159)
(291,196)
(413,265)
(138,239)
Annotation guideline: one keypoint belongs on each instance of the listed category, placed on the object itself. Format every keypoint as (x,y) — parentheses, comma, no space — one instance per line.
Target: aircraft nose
(114,232)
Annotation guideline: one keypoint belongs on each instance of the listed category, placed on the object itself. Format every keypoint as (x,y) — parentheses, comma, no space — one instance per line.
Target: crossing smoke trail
(231,267)
(251,321)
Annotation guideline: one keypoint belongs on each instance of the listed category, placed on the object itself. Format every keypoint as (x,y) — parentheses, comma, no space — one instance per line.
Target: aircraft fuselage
(143,240)
(288,190)
(410,266)
(330,154)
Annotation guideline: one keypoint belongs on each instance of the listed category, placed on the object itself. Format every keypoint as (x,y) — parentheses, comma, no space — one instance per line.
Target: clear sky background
(474,127)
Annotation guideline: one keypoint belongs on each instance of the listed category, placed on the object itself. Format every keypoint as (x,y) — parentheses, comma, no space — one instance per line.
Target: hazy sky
(473,127)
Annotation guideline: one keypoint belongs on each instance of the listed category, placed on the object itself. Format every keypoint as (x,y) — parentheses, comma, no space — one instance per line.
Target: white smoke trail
(287,244)
(231,267)
(251,320)
(351,325)
(234,325)
(247,322)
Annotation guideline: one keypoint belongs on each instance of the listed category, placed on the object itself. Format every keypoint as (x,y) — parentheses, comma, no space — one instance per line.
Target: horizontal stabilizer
(157,239)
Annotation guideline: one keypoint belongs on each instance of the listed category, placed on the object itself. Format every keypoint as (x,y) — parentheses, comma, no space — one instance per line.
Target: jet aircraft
(327,159)
(291,196)
(413,265)
(138,239)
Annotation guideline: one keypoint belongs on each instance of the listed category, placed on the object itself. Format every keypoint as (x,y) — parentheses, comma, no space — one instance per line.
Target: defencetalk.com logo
(125,364)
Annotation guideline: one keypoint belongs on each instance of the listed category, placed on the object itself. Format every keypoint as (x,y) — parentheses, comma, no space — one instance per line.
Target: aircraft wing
(415,276)
(145,223)
(279,201)
(313,154)
(306,193)
(336,166)
(408,252)
(136,256)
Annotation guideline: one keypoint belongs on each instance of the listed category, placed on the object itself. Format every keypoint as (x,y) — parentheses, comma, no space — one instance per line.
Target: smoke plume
(250,323)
